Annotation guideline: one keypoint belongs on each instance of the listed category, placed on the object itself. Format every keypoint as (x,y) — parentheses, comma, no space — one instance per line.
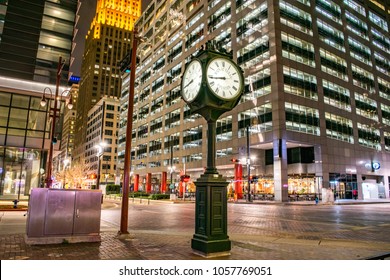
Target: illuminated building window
(302,119)
(339,128)
(336,95)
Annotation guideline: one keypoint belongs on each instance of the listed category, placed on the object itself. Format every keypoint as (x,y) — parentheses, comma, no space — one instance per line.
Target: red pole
(149,182)
(136,182)
(164,182)
(238,179)
(129,128)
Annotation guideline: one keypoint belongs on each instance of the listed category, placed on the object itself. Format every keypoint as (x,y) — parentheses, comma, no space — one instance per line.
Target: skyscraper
(33,35)
(107,42)
(315,113)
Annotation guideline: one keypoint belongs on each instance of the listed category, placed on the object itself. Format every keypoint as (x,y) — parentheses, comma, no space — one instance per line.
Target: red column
(149,182)
(136,182)
(181,189)
(164,182)
(238,180)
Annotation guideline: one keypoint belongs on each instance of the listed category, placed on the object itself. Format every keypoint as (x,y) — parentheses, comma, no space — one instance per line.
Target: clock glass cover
(224,78)
(192,80)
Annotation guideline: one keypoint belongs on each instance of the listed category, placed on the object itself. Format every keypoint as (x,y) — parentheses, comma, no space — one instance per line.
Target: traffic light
(93,176)
(235,160)
(185,178)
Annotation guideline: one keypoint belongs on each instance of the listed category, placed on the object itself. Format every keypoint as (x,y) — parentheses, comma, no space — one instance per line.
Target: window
(300,83)
(339,128)
(333,65)
(330,35)
(302,119)
(329,9)
(258,119)
(295,18)
(336,95)
(297,49)
(366,106)
(369,136)
(224,129)
(192,137)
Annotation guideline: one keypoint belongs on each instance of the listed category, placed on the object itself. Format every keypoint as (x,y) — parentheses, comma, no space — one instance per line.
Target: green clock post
(212,84)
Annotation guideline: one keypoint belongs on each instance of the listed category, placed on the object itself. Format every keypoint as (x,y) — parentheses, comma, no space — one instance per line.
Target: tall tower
(107,42)
(316,108)
(33,34)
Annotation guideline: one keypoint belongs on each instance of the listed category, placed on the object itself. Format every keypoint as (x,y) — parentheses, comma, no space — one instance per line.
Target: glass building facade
(24,136)
(33,35)
(316,101)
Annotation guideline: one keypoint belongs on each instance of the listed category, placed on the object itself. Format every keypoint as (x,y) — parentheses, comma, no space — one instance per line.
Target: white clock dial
(224,78)
(192,80)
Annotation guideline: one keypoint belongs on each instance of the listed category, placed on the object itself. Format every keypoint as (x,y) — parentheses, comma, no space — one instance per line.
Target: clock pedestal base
(210,238)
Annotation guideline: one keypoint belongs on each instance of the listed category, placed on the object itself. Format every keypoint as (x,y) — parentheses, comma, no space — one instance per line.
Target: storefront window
(19,172)
(18,118)
(343,184)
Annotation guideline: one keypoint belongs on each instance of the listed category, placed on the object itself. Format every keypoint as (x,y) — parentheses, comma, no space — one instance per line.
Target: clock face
(224,78)
(192,80)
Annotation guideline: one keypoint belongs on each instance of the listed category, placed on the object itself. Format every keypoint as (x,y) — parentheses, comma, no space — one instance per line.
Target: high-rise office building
(101,141)
(316,107)
(107,42)
(33,35)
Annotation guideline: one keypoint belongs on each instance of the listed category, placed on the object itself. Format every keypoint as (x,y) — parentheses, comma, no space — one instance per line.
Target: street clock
(212,84)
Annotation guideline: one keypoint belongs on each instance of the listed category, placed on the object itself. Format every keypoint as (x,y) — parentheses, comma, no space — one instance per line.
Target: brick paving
(292,241)
(147,246)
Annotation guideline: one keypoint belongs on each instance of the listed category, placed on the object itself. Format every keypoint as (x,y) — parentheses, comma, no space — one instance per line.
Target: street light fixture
(54,111)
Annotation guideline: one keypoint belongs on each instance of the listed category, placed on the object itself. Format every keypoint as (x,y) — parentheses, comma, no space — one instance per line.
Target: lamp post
(66,162)
(100,147)
(54,116)
(248,164)
(171,168)
(106,175)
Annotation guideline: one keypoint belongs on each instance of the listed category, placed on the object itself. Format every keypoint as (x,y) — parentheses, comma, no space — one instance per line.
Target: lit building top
(118,13)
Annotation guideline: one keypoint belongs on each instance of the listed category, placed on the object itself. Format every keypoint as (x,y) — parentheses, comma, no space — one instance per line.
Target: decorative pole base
(210,238)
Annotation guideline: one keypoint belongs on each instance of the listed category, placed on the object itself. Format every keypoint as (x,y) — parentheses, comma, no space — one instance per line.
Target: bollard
(15,203)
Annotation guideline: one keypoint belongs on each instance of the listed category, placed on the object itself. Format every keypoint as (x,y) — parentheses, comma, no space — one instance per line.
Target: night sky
(87,12)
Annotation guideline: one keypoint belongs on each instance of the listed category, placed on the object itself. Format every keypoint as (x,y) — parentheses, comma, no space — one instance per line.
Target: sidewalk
(160,245)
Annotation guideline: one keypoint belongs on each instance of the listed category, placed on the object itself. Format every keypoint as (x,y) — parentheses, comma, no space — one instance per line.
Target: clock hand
(189,83)
(220,78)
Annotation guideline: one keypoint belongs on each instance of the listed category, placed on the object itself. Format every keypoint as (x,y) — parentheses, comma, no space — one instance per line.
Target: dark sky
(87,12)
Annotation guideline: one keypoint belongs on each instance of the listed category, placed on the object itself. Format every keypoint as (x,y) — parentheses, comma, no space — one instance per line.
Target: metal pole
(53,124)
(129,128)
(64,177)
(248,163)
(171,164)
(211,136)
(106,172)
(98,173)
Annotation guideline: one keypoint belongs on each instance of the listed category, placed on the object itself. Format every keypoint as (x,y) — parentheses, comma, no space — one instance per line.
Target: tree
(73,175)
